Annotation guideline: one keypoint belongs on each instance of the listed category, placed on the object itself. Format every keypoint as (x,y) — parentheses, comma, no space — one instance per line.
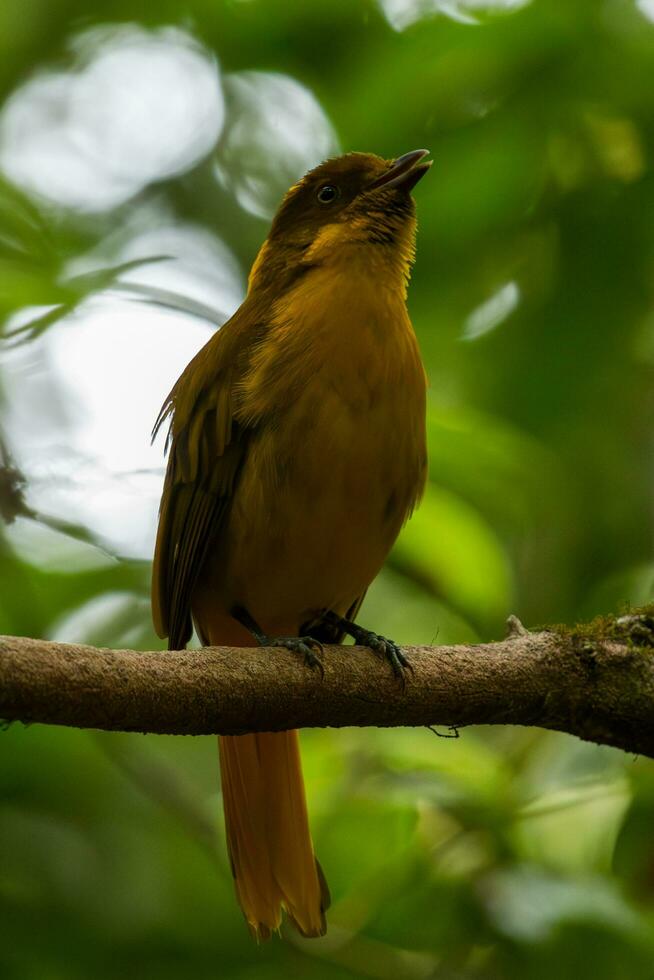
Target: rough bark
(596,682)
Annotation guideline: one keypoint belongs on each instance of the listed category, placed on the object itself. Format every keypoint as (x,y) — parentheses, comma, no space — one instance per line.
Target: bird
(296,452)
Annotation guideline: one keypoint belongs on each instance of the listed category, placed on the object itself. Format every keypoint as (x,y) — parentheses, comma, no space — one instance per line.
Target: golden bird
(296,453)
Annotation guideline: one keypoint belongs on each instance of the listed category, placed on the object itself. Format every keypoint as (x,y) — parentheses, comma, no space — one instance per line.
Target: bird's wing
(206,450)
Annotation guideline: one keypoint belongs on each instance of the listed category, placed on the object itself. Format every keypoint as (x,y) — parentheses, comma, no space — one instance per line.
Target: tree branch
(596,682)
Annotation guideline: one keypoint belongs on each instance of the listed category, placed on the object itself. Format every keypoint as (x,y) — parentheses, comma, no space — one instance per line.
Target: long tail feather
(266,820)
(268,834)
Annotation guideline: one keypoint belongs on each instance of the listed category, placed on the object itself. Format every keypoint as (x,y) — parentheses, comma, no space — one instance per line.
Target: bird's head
(354,200)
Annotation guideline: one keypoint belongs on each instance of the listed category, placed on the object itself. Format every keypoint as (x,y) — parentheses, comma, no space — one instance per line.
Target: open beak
(405,172)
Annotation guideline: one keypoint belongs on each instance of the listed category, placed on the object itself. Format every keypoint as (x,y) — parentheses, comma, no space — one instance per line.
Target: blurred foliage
(505,853)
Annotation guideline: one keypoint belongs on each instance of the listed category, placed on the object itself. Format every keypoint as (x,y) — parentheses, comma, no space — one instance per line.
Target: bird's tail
(268,836)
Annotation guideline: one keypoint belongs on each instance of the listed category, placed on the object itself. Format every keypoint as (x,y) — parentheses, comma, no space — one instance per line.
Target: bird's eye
(328,193)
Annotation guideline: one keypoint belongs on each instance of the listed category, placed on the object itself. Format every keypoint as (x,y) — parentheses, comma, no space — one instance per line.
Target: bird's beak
(405,172)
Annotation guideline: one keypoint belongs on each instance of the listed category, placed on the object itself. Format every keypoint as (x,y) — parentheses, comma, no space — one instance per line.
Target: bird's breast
(338,462)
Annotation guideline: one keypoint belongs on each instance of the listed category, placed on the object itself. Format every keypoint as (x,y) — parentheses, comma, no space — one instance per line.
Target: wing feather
(206,450)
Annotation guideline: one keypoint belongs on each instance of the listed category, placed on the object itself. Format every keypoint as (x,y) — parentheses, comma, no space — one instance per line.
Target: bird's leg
(304,645)
(379,644)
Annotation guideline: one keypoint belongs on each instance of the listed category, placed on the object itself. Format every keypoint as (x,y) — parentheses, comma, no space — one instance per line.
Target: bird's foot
(381,645)
(306,646)
(387,650)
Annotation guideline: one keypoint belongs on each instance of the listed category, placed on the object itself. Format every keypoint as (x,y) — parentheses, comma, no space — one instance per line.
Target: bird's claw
(389,650)
(381,645)
(304,645)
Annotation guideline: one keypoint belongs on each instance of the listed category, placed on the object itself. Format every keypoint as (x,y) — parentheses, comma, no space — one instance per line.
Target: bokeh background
(143,149)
